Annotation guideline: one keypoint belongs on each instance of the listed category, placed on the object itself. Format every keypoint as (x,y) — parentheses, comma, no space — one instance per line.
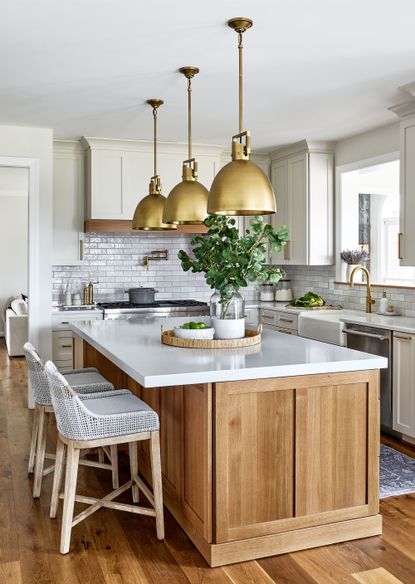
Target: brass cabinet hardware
(400,256)
(287,250)
(286,319)
(66,346)
(402,338)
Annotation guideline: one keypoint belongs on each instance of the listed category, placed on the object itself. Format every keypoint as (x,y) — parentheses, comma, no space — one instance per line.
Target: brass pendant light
(148,215)
(241,188)
(187,201)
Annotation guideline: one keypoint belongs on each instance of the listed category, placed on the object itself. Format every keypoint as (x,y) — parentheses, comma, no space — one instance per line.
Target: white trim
(351,166)
(34,286)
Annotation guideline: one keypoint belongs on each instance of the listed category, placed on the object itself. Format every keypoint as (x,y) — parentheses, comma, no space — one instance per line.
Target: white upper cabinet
(119,173)
(302,177)
(68,202)
(407,193)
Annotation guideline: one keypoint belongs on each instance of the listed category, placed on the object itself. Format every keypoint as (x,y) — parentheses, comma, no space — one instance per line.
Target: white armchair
(16,332)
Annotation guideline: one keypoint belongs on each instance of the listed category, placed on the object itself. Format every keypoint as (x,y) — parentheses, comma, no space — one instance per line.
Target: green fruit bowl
(201,333)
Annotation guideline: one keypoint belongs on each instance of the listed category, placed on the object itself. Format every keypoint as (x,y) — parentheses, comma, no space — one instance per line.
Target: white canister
(267,293)
(284,291)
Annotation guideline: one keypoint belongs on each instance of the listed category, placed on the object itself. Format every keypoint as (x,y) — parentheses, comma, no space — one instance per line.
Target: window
(369,205)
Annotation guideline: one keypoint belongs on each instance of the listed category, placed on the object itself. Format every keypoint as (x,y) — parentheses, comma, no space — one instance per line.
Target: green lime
(201,325)
(192,325)
(186,325)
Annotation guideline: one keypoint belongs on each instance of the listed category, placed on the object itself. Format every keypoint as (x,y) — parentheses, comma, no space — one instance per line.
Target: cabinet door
(68,208)
(279,179)
(407,194)
(320,209)
(136,171)
(403,390)
(290,180)
(106,185)
(296,251)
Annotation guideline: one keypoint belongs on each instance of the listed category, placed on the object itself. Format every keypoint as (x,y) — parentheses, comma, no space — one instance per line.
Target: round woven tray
(251,338)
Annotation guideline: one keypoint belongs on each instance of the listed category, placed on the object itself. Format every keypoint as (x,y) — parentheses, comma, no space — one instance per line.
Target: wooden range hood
(124,226)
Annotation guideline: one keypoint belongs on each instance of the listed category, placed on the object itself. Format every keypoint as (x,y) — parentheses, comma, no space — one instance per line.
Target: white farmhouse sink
(324,325)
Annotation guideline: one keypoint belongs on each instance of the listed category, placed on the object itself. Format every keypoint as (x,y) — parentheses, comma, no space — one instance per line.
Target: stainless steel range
(160,308)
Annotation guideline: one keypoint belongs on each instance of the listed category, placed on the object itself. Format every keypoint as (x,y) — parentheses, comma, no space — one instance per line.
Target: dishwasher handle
(362,334)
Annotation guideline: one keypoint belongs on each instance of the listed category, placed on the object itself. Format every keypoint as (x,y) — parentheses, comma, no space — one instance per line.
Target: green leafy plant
(231,262)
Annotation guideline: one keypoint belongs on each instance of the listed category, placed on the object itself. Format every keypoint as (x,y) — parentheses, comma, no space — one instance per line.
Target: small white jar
(267,293)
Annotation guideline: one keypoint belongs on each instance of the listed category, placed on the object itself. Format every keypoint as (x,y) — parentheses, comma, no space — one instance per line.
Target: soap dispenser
(68,294)
(383,304)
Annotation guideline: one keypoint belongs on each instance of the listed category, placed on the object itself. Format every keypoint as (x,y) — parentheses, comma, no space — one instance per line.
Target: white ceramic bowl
(206,333)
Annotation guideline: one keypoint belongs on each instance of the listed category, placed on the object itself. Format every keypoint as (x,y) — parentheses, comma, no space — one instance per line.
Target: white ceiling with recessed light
(319,70)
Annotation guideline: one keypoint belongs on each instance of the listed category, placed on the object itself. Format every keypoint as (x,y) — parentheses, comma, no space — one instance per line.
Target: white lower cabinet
(404,383)
(63,348)
(280,321)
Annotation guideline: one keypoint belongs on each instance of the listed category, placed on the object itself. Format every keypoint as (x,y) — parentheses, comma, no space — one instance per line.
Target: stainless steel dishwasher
(378,342)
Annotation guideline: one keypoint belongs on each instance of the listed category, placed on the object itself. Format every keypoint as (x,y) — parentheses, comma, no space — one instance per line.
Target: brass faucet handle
(372,301)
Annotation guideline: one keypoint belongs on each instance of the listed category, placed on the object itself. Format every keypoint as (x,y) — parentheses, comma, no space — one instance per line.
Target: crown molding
(403,110)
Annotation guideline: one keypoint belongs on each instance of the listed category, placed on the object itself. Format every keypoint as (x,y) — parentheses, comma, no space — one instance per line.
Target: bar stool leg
(33,441)
(157,484)
(40,451)
(57,478)
(72,461)
(114,466)
(132,449)
(101,457)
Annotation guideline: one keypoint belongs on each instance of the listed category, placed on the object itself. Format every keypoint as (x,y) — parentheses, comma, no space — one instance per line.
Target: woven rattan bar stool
(83,381)
(102,421)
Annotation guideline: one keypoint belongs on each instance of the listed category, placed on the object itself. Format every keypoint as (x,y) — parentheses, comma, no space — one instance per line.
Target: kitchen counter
(134,346)
(403,324)
(264,450)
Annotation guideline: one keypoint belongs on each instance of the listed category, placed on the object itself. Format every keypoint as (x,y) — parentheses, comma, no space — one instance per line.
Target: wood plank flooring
(113,547)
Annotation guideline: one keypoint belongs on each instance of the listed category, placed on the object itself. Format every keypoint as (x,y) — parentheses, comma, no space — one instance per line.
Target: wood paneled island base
(263,467)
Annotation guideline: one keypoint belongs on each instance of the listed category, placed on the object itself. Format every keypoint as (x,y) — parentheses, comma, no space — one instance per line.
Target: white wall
(367,145)
(14,193)
(37,144)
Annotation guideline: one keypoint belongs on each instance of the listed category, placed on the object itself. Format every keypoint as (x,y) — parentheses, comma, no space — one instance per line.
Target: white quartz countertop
(134,345)
(404,324)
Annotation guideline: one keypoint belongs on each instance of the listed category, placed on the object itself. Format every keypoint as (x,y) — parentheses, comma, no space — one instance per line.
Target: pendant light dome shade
(187,201)
(148,215)
(241,187)
(149,212)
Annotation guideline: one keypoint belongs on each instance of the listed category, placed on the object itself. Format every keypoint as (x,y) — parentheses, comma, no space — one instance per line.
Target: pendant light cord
(240,49)
(155,141)
(189,118)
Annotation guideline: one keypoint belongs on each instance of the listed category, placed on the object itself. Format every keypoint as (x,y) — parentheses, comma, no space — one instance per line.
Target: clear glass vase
(228,315)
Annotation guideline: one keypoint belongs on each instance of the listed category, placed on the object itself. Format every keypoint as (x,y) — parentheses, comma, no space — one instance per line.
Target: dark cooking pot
(141,295)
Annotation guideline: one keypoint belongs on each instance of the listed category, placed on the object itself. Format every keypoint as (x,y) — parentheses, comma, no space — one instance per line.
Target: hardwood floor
(116,548)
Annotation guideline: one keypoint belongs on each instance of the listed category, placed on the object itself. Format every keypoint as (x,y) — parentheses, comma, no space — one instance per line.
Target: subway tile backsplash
(317,278)
(115,262)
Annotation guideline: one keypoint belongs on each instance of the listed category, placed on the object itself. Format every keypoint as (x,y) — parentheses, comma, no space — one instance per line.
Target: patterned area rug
(397,473)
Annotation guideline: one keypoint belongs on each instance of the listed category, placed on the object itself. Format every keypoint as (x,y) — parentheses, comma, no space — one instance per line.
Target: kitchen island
(265,450)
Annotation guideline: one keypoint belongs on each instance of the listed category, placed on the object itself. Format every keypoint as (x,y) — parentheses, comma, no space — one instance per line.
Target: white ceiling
(319,70)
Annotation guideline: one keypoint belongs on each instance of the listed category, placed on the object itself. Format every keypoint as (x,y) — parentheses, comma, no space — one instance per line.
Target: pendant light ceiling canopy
(241,187)
(187,201)
(148,215)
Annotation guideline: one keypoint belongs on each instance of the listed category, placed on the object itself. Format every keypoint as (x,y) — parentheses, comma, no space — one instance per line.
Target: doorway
(14,230)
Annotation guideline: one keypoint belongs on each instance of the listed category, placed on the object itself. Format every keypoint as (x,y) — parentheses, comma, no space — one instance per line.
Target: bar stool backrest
(37,375)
